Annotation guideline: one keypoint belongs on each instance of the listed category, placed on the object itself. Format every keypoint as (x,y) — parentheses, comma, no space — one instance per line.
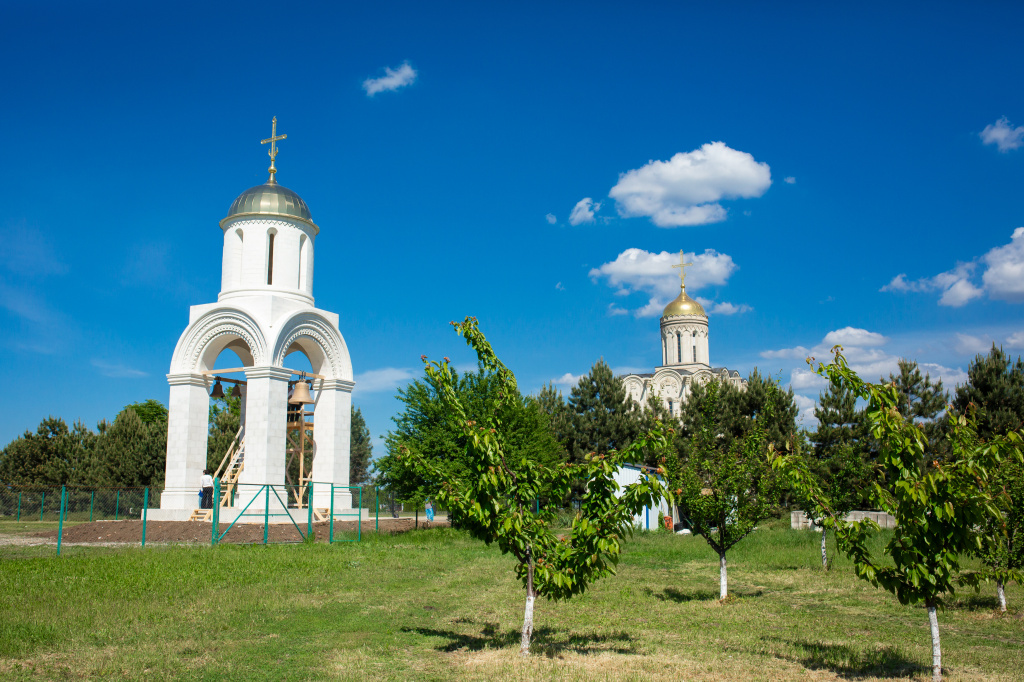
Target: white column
(331,435)
(266,427)
(188,425)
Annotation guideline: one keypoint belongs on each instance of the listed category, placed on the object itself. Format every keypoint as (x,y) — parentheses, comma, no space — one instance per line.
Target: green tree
(225,422)
(551,403)
(724,488)
(839,457)
(131,452)
(735,410)
(601,418)
(1002,534)
(939,509)
(922,400)
(494,496)
(426,426)
(360,450)
(995,385)
(53,455)
(150,411)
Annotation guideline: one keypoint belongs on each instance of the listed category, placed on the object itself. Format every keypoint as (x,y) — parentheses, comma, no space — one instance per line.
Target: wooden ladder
(229,470)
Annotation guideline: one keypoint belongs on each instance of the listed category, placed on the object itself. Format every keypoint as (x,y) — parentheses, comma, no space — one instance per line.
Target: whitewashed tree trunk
(933,620)
(524,643)
(1001,593)
(824,551)
(723,590)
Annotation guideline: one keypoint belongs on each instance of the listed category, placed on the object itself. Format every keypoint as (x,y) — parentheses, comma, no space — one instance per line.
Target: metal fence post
(92,503)
(145,506)
(60,522)
(266,515)
(215,515)
(42,503)
(309,510)
(330,519)
(117,504)
(19,506)
(359,536)
(376,517)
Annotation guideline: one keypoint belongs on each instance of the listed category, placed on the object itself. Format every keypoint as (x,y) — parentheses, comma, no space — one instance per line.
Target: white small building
(651,517)
(264,313)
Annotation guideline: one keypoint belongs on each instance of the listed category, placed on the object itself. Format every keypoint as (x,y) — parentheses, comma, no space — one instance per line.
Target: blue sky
(844,173)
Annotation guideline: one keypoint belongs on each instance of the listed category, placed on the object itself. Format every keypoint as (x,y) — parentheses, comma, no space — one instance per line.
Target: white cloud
(1015,340)
(790,180)
(971,345)
(686,189)
(726,308)
(866,353)
(652,273)
(550,217)
(559,287)
(1003,135)
(116,370)
(797,353)
(392,79)
(615,310)
(852,336)
(583,211)
(806,416)
(386,379)
(567,380)
(1003,278)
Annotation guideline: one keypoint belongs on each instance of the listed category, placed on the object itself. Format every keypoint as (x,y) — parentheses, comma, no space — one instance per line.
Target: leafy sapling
(495,500)
(725,490)
(940,508)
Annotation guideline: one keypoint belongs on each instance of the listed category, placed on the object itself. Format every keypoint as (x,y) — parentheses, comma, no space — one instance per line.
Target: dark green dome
(270,199)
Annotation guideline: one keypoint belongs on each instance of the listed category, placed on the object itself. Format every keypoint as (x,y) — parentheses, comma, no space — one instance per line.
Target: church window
(302,260)
(670,408)
(270,257)
(241,244)
(679,347)
(695,352)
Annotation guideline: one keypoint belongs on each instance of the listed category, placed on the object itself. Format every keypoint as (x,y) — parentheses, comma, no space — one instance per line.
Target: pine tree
(602,419)
(840,457)
(996,387)
(132,452)
(53,455)
(550,402)
(225,420)
(922,401)
(360,450)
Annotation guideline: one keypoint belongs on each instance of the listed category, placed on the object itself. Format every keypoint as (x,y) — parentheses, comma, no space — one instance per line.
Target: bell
(301,396)
(236,391)
(218,390)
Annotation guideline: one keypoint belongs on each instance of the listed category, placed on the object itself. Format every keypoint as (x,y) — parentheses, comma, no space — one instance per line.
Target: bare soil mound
(194,531)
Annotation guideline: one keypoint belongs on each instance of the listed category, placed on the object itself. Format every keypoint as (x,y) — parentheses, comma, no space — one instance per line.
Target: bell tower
(264,313)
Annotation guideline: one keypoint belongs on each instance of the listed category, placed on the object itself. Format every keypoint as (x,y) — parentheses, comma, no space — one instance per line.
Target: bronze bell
(218,390)
(236,391)
(301,396)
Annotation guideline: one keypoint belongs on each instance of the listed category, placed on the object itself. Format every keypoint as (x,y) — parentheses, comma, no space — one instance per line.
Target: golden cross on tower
(682,273)
(274,137)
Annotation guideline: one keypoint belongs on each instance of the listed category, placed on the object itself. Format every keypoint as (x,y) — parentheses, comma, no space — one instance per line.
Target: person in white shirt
(207,485)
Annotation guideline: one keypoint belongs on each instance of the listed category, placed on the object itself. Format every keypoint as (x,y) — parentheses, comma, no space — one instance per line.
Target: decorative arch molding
(689,329)
(319,339)
(218,329)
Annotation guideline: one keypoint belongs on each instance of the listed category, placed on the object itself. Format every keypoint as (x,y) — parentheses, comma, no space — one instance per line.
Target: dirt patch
(194,531)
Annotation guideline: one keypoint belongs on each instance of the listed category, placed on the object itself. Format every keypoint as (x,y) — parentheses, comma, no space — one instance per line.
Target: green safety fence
(350,498)
(263,514)
(33,512)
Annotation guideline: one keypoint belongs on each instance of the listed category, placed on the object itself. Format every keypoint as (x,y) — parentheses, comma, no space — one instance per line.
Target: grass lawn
(436,605)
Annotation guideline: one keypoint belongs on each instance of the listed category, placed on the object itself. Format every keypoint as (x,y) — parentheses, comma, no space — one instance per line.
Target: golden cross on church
(274,137)
(682,273)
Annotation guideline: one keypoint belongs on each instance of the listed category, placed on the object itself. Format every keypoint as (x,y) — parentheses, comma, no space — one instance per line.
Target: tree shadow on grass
(673,595)
(545,640)
(851,663)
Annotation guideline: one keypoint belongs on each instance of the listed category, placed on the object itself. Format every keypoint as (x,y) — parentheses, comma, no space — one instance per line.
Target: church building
(685,354)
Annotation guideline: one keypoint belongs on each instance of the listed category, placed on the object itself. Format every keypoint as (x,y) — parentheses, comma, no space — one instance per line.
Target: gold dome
(683,305)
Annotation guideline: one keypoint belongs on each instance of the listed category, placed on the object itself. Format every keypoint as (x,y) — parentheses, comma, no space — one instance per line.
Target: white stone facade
(264,312)
(685,357)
